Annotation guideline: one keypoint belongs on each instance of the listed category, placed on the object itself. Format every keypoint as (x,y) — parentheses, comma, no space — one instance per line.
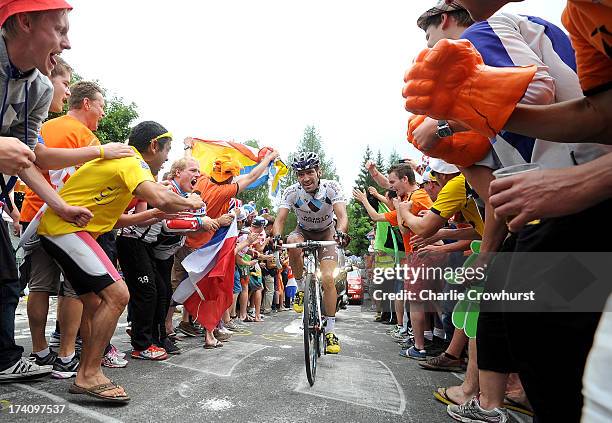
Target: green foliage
(359,227)
(364,179)
(260,194)
(115,126)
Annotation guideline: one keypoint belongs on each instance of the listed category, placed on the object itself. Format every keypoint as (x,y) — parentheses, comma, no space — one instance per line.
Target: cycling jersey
(315,213)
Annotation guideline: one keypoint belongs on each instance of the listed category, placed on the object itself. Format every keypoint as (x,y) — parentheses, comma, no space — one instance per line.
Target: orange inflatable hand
(461,149)
(450,81)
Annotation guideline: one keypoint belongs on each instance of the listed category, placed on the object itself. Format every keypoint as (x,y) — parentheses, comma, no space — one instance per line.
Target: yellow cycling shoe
(331,343)
(298,305)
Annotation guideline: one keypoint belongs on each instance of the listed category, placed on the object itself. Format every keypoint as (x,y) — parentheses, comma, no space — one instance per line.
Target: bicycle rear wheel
(311,334)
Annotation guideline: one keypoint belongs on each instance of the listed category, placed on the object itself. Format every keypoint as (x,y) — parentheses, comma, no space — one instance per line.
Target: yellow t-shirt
(105,187)
(456,196)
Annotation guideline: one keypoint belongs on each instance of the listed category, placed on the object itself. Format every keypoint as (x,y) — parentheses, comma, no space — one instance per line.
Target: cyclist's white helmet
(305,160)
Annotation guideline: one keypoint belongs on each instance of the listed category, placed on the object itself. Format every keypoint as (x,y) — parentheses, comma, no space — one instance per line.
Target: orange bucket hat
(9,8)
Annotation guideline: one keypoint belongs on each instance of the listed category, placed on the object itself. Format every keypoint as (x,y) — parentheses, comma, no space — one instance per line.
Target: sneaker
(54,339)
(170,347)
(152,353)
(63,370)
(412,352)
(112,360)
(443,363)
(472,412)
(222,335)
(378,317)
(47,360)
(198,327)
(332,346)
(187,329)
(25,369)
(298,302)
(232,326)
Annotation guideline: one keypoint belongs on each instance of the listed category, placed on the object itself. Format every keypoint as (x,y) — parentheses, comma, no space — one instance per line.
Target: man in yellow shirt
(106,187)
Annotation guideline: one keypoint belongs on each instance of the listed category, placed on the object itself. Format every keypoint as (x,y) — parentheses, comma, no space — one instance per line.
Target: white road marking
(219,362)
(295,327)
(359,381)
(74,407)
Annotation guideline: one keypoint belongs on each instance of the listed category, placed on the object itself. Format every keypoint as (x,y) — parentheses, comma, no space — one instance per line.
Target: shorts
(178,271)
(290,291)
(44,274)
(237,284)
(325,253)
(255,283)
(82,261)
(425,278)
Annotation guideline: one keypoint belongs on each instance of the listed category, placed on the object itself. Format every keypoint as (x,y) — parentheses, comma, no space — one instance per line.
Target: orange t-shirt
(217,198)
(420,201)
(589,24)
(62,132)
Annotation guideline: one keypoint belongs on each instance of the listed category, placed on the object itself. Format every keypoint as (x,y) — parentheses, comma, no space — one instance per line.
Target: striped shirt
(514,40)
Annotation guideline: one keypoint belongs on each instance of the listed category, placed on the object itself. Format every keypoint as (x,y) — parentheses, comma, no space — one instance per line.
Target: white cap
(427,176)
(440,166)
(242,215)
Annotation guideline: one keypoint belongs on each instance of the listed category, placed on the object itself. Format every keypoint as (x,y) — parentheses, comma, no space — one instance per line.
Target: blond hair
(179,166)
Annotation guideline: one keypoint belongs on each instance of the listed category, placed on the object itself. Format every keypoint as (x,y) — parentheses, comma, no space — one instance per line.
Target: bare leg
(38,308)
(470,387)
(233,308)
(399,311)
(329,287)
(244,302)
(417,319)
(295,257)
(70,321)
(455,348)
(99,322)
(492,388)
(169,315)
(257,303)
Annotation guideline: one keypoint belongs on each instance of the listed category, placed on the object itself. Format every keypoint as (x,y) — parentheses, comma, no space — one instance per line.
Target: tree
(259,195)
(364,179)
(394,159)
(380,162)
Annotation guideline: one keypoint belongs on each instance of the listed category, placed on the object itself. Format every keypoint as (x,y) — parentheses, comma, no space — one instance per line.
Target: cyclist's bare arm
(279,222)
(341,216)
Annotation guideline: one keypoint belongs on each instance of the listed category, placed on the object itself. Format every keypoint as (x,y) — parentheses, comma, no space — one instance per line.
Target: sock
(67,360)
(439,333)
(331,322)
(300,284)
(43,353)
(428,335)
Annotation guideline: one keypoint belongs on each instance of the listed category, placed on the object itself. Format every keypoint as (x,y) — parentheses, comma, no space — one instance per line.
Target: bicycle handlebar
(309,244)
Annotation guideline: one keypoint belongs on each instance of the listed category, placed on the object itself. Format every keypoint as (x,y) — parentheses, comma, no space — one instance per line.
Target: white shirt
(314,212)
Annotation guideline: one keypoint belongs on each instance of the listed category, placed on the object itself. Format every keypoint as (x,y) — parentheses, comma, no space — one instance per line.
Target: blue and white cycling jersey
(314,212)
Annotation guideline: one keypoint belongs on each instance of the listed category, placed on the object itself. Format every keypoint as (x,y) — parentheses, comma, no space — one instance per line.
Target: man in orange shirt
(71,131)
(401,179)
(216,191)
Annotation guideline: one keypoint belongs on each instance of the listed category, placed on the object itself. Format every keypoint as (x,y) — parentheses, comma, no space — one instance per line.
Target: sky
(264,70)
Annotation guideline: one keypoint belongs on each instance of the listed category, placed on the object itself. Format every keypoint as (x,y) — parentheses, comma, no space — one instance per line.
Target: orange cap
(9,8)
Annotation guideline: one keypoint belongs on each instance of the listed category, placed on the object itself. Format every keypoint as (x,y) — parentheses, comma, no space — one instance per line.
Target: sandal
(248,319)
(217,344)
(441,395)
(96,392)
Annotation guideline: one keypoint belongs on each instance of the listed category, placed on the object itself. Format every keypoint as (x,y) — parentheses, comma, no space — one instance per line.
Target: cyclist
(316,202)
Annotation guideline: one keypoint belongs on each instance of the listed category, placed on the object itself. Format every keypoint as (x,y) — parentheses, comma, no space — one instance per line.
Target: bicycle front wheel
(310,329)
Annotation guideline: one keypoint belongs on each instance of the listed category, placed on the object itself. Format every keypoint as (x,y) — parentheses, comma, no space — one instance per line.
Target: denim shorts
(237,285)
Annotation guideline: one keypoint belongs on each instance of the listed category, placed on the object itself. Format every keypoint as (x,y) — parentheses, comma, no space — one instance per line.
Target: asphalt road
(256,377)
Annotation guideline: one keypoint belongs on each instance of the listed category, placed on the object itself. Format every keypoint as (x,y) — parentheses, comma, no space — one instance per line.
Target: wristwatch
(444,129)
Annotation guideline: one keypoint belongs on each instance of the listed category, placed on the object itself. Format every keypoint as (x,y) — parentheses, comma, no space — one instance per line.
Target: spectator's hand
(252,237)
(451,81)
(225,220)
(14,156)
(272,155)
(423,133)
(369,165)
(188,142)
(422,213)
(117,150)
(195,202)
(360,196)
(534,195)
(418,242)
(16,228)
(427,250)
(209,224)
(373,191)
(80,216)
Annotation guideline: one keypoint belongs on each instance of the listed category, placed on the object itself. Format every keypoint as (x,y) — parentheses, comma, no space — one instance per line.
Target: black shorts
(82,261)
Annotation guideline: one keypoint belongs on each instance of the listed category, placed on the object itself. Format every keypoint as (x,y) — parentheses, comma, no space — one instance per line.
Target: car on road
(355,287)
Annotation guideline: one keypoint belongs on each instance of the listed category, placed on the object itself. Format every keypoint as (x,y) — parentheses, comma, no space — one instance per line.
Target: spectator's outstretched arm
(374,215)
(257,171)
(378,177)
(160,197)
(586,119)
(59,158)
(425,226)
(535,195)
(14,156)
(37,183)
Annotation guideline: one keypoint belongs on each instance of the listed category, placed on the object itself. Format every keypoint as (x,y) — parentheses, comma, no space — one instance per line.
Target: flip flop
(96,392)
(510,404)
(440,395)
(217,344)
(248,319)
